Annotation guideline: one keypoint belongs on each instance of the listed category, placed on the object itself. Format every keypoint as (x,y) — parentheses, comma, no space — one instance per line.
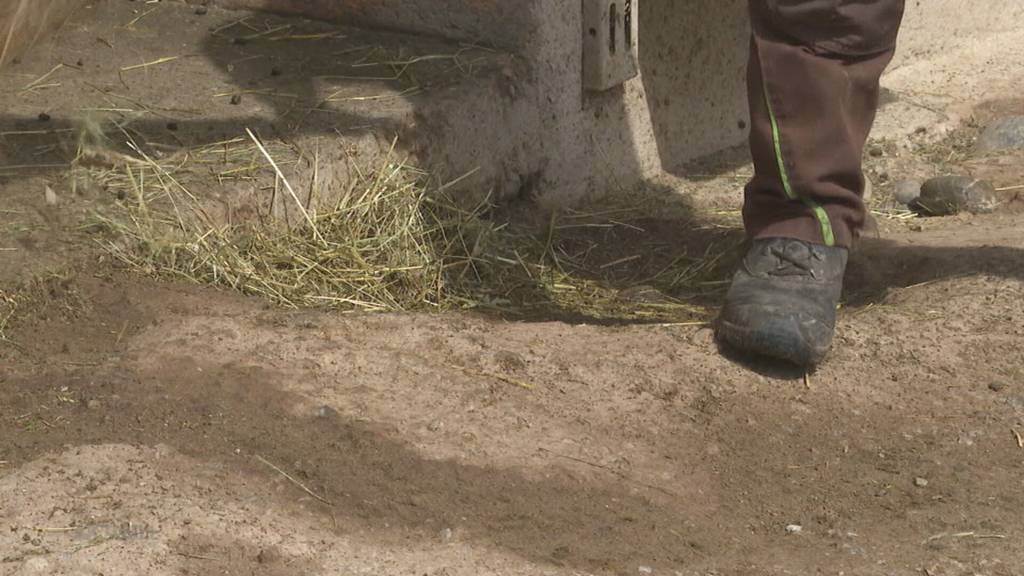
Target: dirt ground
(160,427)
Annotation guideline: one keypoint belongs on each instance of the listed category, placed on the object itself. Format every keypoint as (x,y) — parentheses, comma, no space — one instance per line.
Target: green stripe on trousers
(826,224)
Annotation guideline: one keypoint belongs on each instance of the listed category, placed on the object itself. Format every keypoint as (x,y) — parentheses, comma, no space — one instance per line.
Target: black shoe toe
(782,302)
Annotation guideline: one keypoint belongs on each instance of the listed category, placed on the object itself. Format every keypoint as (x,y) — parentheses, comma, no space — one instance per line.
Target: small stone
(51,196)
(172,126)
(1002,134)
(44,117)
(793,529)
(36,565)
(509,361)
(236,99)
(906,191)
(644,294)
(435,425)
(703,337)
(267,556)
(947,195)
(202,10)
(645,570)
(876,151)
(325,411)
(920,482)
(997,386)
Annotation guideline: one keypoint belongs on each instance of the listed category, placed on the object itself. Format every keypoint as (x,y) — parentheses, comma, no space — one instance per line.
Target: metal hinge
(610,54)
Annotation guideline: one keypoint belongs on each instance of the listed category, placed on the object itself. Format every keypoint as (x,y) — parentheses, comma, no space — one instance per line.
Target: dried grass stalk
(397,241)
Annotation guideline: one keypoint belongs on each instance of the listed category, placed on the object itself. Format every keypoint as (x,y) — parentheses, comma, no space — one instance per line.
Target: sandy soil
(165,428)
(154,428)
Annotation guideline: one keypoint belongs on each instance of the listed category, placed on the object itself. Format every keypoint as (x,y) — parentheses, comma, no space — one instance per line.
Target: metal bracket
(610,31)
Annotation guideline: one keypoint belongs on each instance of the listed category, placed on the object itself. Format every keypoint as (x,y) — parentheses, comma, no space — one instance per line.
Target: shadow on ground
(752,475)
(368,475)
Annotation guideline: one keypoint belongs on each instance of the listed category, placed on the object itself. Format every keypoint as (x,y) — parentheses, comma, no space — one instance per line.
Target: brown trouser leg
(813,87)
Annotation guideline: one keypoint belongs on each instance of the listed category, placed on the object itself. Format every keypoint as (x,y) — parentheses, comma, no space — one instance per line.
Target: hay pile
(386,245)
(8,306)
(395,242)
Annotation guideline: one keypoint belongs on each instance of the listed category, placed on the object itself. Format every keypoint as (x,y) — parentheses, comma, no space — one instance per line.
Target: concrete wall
(688,102)
(500,23)
(693,58)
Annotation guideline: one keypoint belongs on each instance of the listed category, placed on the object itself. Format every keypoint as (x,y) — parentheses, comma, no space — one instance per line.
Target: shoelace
(791,265)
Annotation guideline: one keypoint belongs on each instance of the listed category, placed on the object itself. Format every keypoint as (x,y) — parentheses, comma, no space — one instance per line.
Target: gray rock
(1002,134)
(946,195)
(268,556)
(1016,401)
(325,411)
(36,566)
(906,191)
(920,482)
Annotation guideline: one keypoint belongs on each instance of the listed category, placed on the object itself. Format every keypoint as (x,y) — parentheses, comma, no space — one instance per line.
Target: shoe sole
(781,343)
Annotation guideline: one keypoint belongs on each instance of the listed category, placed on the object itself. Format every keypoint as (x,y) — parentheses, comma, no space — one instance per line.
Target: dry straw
(394,241)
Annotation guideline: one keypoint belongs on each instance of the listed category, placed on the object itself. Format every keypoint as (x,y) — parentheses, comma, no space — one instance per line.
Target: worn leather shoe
(782,302)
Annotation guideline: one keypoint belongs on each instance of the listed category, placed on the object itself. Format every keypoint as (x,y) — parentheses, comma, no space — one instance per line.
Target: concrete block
(687,100)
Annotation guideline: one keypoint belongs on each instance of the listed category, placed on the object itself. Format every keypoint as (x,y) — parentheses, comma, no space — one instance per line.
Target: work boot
(782,302)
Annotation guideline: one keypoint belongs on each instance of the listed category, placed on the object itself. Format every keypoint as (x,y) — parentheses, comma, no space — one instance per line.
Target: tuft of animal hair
(93,145)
